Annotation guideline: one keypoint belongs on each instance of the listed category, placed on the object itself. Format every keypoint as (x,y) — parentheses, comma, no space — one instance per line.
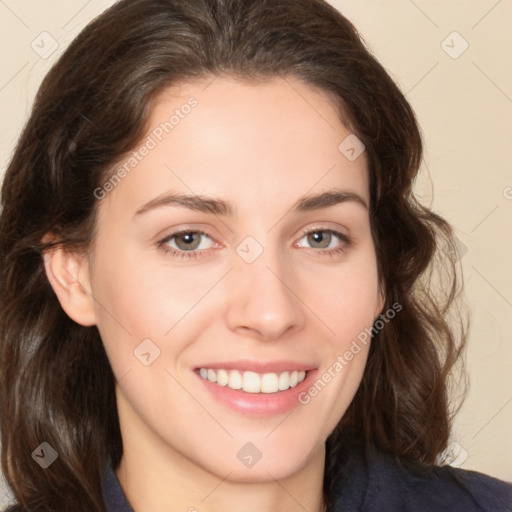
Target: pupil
(321,238)
(187,240)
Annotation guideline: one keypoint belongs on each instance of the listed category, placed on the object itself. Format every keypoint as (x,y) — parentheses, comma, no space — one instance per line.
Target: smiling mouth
(252,382)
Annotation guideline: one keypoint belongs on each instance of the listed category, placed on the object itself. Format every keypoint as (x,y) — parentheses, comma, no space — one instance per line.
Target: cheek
(139,298)
(345,299)
(346,310)
(127,302)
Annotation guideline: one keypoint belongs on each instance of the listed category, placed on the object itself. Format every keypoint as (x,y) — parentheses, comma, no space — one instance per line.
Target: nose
(263,301)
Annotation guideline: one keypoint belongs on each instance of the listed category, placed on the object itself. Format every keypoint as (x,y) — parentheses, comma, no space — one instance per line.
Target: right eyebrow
(193,202)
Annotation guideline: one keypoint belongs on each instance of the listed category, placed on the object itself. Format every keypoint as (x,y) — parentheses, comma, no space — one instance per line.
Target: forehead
(258,144)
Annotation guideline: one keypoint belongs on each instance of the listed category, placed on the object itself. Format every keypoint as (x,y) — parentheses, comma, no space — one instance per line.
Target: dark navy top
(383,484)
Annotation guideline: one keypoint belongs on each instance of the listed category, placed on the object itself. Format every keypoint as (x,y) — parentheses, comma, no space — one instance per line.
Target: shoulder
(382,482)
(453,489)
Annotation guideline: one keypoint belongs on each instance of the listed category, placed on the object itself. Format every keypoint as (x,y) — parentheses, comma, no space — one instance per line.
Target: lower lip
(259,404)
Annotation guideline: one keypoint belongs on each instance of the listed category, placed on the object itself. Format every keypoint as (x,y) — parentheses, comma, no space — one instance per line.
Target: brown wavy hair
(91,109)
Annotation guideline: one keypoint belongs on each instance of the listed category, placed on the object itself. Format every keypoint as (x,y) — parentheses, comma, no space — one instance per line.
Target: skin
(261,147)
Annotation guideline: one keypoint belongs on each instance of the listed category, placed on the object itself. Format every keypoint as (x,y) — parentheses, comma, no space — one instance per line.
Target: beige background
(464,106)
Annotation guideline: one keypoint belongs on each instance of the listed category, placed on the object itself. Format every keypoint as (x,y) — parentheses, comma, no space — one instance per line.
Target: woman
(215,276)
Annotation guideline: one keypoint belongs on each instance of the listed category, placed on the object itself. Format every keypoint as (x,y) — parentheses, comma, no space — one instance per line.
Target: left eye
(323,238)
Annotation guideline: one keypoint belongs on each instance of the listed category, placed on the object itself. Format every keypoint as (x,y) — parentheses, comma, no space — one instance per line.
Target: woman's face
(268,283)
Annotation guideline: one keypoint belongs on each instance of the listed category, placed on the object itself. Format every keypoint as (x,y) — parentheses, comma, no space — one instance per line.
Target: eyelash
(162,244)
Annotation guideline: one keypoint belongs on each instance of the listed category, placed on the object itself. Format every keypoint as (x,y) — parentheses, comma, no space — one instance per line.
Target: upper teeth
(252,382)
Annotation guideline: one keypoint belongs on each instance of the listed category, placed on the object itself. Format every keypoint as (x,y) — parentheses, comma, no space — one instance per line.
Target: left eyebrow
(219,206)
(326,199)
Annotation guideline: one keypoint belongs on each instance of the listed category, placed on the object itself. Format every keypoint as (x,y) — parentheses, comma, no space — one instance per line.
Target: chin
(277,465)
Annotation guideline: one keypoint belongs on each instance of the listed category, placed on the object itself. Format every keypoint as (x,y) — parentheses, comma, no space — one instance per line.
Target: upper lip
(259,366)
